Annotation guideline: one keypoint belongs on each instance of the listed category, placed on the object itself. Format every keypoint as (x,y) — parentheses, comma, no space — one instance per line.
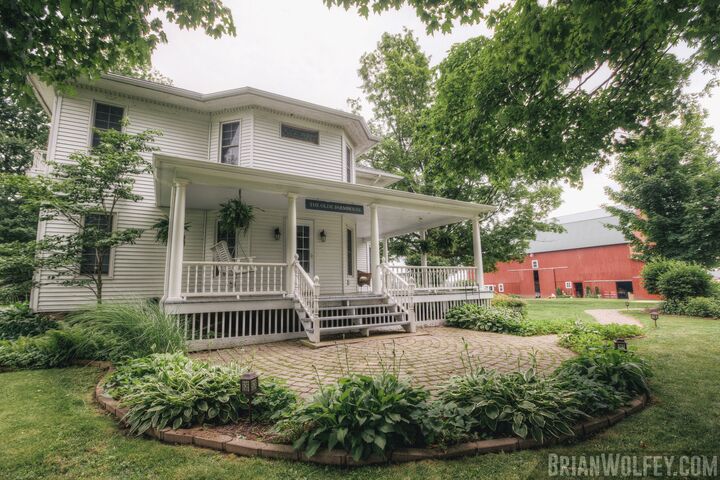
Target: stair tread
(347,307)
(361,326)
(369,315)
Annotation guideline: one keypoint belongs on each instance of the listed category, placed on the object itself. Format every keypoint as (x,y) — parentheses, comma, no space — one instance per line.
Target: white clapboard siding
(273,152)
(137,270)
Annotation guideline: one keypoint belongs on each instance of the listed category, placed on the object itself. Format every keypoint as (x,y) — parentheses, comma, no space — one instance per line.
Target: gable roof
(354,125)
(582,230)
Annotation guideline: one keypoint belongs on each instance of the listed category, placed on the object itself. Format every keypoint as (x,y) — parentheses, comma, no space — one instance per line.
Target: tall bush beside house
(685,280)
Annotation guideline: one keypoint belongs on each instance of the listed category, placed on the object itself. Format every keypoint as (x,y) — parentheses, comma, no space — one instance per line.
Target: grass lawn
(51,428)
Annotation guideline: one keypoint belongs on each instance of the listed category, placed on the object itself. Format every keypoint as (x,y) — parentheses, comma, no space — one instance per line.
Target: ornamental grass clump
(170,390)
(362,415)
(117,331)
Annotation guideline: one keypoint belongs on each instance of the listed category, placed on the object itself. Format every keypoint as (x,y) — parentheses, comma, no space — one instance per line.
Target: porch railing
(307,293)
(400,290)
(437,278)
(223,279)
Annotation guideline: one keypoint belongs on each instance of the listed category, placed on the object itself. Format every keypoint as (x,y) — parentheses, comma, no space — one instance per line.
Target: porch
(296,271)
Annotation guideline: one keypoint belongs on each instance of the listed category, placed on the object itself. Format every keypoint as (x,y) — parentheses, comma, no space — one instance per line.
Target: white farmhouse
(309,264)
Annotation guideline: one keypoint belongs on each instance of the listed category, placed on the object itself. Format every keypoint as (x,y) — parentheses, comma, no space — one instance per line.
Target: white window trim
(95,101)
(311,224)
(220,145)
(346,227)
(568,284)
(501,287)
(535,264)
(348,160)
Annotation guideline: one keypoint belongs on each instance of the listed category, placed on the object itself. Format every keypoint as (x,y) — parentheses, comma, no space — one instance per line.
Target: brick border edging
(250,448)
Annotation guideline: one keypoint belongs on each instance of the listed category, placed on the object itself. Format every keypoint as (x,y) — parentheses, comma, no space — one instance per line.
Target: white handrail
(238,279)
(435,278)
(307,291)
(400,291)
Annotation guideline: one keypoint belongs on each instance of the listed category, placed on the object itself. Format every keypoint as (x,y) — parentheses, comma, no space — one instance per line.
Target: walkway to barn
(613,316)
(428,358)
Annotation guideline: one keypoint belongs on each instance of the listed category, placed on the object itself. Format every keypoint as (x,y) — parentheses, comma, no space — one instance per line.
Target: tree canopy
(61,40)
(399,84)
(669,179)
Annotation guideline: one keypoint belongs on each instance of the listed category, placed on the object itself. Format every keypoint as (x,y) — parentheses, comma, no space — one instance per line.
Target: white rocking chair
(221,253)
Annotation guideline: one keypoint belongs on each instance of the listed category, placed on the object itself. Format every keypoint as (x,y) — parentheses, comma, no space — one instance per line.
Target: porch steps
(352,314)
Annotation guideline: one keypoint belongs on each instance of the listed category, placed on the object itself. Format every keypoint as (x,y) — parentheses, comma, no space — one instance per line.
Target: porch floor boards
(428,360)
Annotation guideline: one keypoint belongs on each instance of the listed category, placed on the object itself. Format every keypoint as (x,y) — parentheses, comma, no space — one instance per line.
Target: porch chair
(221,253)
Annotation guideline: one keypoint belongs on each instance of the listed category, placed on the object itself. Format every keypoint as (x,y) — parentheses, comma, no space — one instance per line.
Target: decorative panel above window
(106,117)
(230,143)
(310,136)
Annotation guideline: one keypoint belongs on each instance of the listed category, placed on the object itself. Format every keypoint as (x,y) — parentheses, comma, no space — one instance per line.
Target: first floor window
(230,143)
(95,260)
(227,236)
(303,246)
(349,251)
(106,117)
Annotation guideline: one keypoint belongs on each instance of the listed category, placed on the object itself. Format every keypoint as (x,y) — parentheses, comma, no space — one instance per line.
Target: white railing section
(401,291)
(238,279)
(428,279)
(307,293)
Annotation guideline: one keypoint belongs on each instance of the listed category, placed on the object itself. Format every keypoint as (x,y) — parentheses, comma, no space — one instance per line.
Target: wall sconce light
(276,233)
(323,236)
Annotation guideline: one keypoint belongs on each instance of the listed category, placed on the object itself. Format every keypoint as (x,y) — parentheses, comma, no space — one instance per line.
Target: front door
(305,246)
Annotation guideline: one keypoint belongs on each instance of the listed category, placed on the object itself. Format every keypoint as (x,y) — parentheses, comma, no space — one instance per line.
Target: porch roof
(399,212)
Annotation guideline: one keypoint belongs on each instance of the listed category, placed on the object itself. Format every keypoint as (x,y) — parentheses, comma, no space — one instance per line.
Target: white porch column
(291,241)
(176,240)
(423,261)
(477,251)
(386,252)
(375,250)
(168,246)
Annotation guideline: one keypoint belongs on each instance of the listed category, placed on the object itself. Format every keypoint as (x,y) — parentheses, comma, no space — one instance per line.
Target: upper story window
(94,260)
(304,135)
(348,164)
(106,117)
(230,143)
(535,264)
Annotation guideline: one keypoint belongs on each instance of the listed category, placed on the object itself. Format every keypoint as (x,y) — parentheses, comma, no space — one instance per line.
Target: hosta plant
(361,415)
(485,318)
(623,371)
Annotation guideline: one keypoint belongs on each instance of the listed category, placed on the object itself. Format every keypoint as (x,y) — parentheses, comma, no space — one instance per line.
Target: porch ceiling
(398,212)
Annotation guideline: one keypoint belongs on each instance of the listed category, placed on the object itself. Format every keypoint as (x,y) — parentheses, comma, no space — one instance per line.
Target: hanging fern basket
(236,214)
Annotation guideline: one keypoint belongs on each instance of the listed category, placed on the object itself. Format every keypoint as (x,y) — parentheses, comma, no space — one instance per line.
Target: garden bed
(224,438)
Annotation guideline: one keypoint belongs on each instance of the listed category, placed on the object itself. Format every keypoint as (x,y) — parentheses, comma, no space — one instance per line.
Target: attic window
(310,136)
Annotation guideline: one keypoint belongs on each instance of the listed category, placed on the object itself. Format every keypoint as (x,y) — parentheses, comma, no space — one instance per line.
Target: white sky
(301,49)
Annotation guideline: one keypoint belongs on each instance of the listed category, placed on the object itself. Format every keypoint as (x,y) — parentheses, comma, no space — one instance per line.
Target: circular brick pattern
(427,359)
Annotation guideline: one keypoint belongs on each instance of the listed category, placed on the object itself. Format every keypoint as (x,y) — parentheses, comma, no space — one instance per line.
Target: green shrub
(708,307)
(684,280)
(623,371)
(170,390)
(652,271)
(594,397)
(511,303)
(117,331)
(362,415)
(518,403)
(19,321)
(484,318)
(584,336)
(52,349)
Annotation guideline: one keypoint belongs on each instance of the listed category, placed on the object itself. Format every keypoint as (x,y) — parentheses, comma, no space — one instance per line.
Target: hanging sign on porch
(334,207)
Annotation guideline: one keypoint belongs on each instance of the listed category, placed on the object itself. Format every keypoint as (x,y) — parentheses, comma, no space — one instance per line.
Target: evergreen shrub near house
(18,320)
(485,318)
(687,289)
(511,303)
(171,390)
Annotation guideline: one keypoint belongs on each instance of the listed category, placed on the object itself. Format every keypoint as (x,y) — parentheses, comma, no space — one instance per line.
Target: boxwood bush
(511,303)
(485,318)
(708,307)
(170,390)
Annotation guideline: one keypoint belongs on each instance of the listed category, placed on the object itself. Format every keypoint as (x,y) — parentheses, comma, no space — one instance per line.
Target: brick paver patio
(428,359)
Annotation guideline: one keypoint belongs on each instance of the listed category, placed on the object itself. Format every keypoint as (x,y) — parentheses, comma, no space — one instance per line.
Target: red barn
(589,258)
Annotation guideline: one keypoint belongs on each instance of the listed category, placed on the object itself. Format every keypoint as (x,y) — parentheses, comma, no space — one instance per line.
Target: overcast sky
(302,49)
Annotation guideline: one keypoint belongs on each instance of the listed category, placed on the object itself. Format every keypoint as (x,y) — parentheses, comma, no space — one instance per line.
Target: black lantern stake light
(249,386)
(627,304)
(654,315)
(621,344)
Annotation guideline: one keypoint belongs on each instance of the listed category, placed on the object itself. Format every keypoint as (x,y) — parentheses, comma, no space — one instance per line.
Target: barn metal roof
(582,230)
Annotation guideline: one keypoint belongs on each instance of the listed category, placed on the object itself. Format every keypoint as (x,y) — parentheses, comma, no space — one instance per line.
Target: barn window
(535,264)
(501,287)
(568,284)
(302,134)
